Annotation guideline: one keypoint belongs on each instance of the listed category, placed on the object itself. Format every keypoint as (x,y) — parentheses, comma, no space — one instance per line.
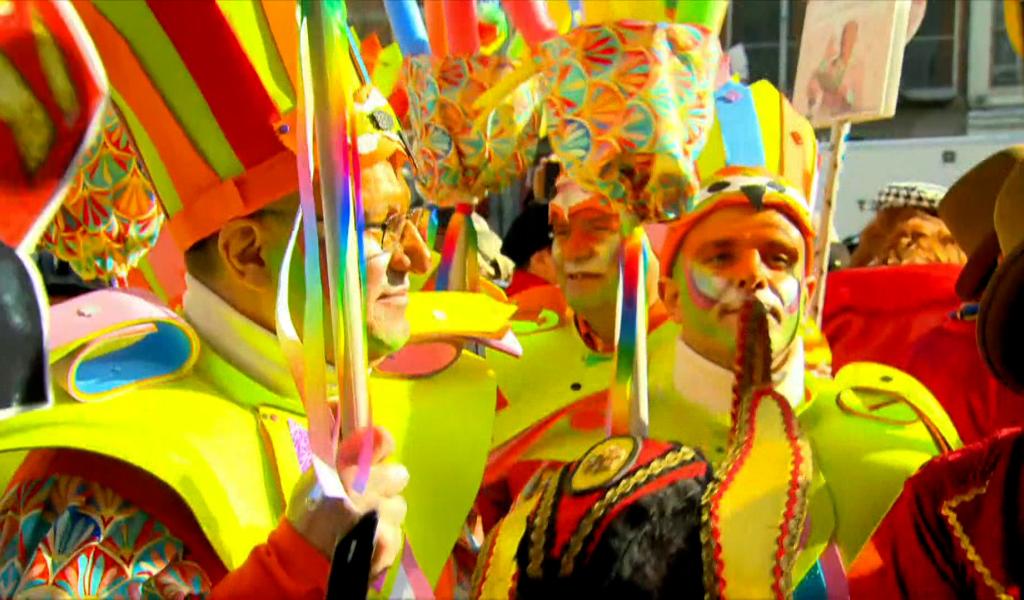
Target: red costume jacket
(957,531)
(876,314)
(946,360)
(523,280)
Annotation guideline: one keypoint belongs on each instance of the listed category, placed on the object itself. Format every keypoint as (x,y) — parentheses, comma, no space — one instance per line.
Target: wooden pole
(828,210)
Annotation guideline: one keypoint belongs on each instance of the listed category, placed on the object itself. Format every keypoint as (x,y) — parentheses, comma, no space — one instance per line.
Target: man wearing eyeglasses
(197,481)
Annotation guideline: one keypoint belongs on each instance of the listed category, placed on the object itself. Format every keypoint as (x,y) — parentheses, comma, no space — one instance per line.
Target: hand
(323,521)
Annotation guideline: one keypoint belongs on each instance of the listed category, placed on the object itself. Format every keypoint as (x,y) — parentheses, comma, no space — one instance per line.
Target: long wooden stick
(828,211)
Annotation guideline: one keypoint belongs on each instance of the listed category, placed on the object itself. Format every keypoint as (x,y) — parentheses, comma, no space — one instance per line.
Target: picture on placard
(851,57)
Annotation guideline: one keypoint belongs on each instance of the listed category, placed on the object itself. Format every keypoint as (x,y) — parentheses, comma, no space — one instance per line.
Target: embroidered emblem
(604,464)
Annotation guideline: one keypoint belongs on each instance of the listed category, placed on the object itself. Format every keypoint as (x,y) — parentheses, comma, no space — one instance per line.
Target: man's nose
(750,272)
(411,253)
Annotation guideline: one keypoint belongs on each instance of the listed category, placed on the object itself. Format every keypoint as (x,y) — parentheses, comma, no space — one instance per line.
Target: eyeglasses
(389,233)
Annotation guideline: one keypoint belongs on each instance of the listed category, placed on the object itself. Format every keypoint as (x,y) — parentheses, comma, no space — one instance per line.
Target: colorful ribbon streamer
(459,269)
(627,397)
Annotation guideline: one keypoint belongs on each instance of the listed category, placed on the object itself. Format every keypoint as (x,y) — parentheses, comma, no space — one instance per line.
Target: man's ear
(669,289)
(240,244)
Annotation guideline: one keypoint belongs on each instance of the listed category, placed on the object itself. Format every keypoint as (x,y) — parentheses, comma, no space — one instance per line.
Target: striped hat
(206,90)
(925,196)
(53,90)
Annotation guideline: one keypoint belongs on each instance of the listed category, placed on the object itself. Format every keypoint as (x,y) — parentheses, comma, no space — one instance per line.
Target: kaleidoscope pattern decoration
(64,537)
(629,105)
(461,152)
(110,217)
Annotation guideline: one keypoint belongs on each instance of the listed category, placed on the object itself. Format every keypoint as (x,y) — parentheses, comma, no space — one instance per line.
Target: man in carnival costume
(955,532)
(193,515)
(748,234)
(587,228)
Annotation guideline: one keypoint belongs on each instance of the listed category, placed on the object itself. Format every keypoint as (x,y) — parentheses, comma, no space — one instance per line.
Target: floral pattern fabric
(65,537)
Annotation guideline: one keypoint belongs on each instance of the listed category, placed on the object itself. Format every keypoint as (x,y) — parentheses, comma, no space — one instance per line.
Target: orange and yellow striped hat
(206,89)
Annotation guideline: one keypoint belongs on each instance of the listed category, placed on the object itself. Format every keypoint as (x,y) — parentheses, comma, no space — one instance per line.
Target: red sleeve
(286,566)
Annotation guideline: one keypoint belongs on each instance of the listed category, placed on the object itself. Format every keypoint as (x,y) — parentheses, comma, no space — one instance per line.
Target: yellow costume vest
(556,370)
(870,429)
(227,445)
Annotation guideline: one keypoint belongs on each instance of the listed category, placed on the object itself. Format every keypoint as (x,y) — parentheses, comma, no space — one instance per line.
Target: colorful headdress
(629,106)
(206,89)
(462,151)
(756,126)
(378,130)
(740,186)
(52,90)
(111,217)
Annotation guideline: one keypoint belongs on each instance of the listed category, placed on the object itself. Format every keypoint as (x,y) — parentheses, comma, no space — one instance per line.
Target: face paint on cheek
(701,292)
(705,288)
(789,292)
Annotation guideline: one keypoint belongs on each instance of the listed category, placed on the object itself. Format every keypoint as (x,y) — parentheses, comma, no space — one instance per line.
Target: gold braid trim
(965,542)
(801,451)
(624,488)
(539,527)
(483,563)
(708,540)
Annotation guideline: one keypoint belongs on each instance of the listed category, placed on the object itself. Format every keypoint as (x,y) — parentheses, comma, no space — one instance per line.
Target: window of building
(931,63)
(1007,68)
(994,73)
(770,34)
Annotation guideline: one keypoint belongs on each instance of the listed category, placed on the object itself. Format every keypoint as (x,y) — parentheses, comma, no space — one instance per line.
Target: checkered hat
(925,196)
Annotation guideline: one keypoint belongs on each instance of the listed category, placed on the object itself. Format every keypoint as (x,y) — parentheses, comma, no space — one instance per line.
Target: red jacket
(523,280)
(946,360)
(904,317)
(957,531)
(876,314)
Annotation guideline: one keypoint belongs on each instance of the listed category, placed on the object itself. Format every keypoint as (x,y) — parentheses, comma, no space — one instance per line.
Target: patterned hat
(53,92)
(590,527)
(206,89)
(740,186)
(925,196)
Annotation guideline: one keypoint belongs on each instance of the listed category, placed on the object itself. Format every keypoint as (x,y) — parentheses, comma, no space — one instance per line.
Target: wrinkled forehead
(571,198)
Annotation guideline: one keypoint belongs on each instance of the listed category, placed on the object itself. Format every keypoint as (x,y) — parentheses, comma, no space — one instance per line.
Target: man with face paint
(748,233)
(552,399)
(177,462)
